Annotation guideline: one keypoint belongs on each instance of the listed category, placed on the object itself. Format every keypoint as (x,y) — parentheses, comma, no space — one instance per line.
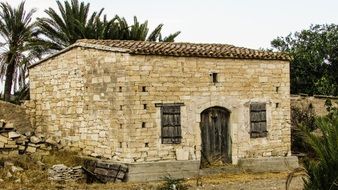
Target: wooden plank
(101,171)
(91,174)
(168,104)
(165,132)
(178,131)
(5,130)
(171,109)
(257,106)
(263,115)
(254,127)
(255,116)
(262,126)
(212,134)
(258,116)
(111,166)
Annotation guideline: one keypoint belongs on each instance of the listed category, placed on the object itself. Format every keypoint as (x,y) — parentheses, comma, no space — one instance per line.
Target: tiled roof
(177,49)
(184,49)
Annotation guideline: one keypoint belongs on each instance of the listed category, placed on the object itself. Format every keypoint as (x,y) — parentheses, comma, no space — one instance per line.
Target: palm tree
(71,24)
(74,22)
(323,171)
(19,45)
(139,31)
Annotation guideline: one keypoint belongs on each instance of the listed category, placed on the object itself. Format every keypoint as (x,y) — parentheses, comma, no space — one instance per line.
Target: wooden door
(215,136)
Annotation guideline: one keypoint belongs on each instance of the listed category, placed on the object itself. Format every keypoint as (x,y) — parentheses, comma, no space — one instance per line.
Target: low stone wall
(318,102)
(15,114)
(275,164)
(152,171)
(12,142)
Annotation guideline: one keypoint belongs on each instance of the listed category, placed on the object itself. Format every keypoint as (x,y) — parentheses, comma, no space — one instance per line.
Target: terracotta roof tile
(185,49)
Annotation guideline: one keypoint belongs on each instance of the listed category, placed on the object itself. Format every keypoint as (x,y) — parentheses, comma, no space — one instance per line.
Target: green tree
(314,68)
(19,43)
(74,22)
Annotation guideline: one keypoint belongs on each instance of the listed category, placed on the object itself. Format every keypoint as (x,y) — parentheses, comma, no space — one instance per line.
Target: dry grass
(243,177)
(35,174)
(67,158)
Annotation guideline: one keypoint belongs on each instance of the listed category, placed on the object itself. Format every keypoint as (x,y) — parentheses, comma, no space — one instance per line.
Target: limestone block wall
(57,90)
(188,81)
(94,100)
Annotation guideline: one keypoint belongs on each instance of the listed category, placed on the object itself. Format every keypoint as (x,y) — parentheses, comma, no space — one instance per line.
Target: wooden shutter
(258,127)
(171,124)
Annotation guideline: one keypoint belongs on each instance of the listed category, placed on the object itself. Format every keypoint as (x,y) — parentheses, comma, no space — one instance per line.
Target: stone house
(139,102)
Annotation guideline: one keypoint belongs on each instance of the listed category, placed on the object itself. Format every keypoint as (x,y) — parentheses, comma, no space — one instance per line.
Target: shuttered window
(171,123)
(258,120)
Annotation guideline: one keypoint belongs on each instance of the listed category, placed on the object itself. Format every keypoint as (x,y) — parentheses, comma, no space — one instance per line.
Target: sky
(244,23)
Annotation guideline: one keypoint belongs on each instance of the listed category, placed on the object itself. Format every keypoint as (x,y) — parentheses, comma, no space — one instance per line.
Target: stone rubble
(61,172)
(12,142)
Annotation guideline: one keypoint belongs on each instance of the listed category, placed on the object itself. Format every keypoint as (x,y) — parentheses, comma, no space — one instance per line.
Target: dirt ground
(264,181)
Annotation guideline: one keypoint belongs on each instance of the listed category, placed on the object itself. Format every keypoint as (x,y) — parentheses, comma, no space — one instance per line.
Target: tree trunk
(9,78)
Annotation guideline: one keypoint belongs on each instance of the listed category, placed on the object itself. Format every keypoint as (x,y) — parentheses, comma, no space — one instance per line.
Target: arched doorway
(216,147)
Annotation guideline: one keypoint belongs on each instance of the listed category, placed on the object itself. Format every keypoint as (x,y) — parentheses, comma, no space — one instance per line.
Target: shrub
(304,116)
(322,171)
(173,184)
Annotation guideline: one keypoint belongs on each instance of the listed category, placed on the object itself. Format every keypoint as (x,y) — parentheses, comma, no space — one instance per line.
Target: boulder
(22,147)
(35,139)
(51,141)
(11,146)
(30,149)
(22,140)
(9,126)
(3,139)
(28,133)
(13,135)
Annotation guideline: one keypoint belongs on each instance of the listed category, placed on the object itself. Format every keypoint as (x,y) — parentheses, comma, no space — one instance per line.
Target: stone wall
(16,115)
(57,91)
(317,102)
(94,100)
